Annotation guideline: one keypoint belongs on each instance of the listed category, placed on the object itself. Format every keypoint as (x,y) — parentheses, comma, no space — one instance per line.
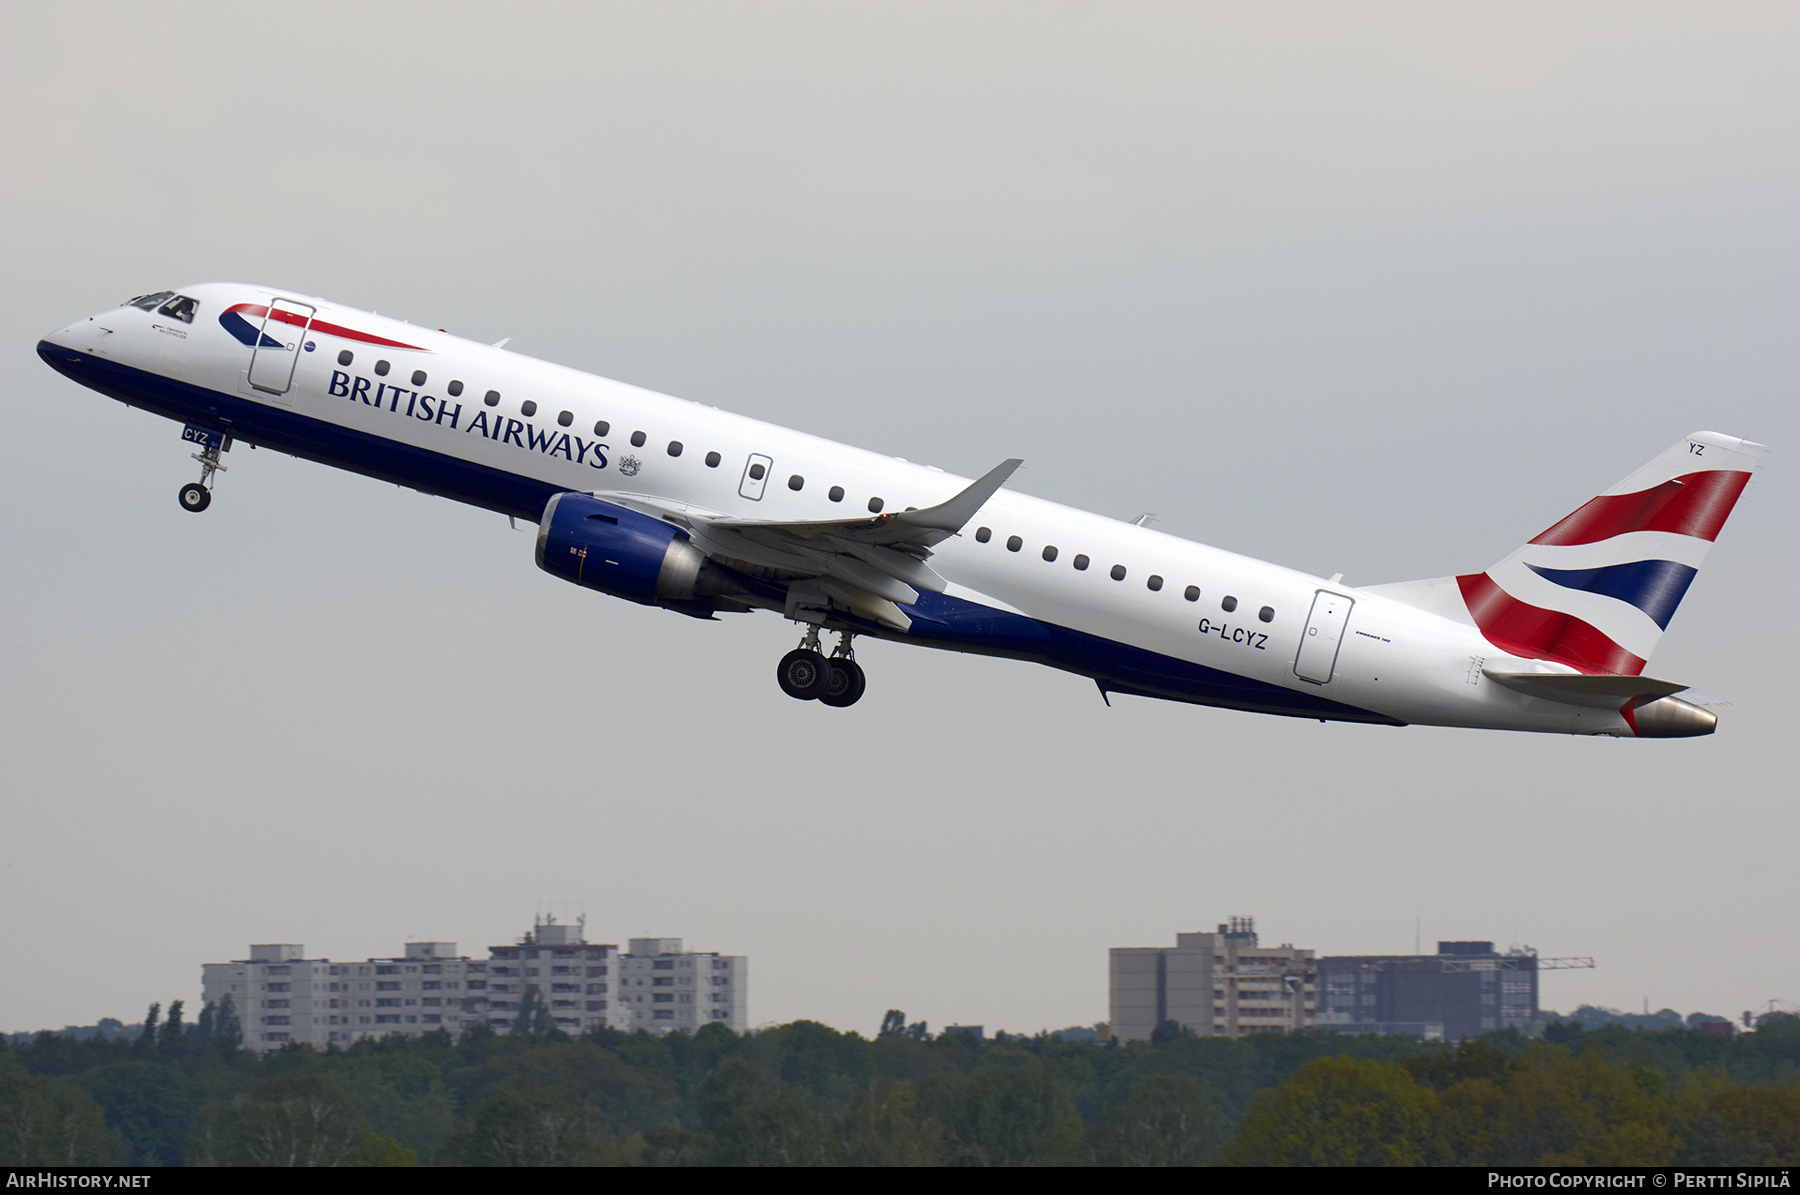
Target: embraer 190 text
(668,503)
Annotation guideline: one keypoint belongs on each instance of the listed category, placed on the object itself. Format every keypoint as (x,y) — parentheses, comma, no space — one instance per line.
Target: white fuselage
(1418,660)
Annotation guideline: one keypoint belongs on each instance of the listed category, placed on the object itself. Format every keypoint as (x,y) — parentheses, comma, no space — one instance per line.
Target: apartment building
(1223,984)
(281,996)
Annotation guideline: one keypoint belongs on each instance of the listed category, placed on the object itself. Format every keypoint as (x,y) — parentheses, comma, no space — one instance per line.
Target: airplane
(670,503)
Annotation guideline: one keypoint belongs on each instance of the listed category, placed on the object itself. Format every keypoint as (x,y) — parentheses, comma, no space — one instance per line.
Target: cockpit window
(150,302)
(180,307)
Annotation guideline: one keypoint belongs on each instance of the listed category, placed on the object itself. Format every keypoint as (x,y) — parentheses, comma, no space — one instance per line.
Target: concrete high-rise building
(1464,990)
(576,979)
(1220,984)
(281,996)
(664,987)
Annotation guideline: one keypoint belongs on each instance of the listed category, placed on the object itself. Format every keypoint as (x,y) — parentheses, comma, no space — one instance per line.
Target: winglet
(951,515)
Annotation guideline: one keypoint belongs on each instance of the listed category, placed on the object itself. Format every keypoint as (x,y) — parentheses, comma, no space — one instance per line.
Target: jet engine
(601,546)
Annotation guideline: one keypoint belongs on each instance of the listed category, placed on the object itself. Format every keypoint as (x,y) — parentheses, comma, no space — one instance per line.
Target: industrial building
(1464,990)
(1220,984)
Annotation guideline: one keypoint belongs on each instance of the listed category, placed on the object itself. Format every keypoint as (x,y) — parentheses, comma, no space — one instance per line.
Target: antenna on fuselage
(501,343)
(1145,519)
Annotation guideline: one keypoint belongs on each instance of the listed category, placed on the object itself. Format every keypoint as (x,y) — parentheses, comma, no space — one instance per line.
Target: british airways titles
(493,426)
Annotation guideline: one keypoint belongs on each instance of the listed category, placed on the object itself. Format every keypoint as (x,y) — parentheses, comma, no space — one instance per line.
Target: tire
(803,675)
(195,497)
(847,684)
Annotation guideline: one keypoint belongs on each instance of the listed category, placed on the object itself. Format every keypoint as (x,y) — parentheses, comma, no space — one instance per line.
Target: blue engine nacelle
(601,546)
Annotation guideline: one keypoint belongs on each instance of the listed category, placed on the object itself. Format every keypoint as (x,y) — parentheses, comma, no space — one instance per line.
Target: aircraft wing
(871,565)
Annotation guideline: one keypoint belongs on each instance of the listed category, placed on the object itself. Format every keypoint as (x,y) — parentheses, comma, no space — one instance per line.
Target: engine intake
(599,545)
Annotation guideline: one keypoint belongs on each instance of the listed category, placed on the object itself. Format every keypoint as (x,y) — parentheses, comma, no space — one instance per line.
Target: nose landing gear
(805,673)
(196,496)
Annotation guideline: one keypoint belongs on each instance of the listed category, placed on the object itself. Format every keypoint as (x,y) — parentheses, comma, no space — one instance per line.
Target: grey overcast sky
(1382,289)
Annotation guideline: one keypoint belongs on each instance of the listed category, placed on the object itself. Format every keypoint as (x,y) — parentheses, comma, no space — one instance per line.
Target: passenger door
(1317,658)
(278,348)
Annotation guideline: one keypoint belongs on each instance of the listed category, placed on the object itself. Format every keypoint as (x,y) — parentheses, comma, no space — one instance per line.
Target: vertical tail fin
(1597,590)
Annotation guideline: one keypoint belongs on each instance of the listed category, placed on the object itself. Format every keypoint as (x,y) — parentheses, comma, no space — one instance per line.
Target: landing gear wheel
(195,497)
(803,674)
(847,683)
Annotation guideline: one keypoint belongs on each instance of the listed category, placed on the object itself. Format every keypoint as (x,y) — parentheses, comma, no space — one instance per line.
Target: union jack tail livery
(1597,590)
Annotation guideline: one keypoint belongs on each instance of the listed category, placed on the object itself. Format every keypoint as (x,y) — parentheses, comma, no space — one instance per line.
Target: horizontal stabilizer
(1603,692)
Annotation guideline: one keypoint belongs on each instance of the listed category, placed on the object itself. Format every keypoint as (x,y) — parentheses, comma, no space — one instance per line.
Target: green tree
(753,1120)
(145,1045)
(526,1127)
(1558,1110)
(533,1014)
(881,1127)
(1338,1112)
(376,1150)
(150,1105)
(290,1120)
(171,1039)
(50,1122)
(1169,1121)
(228,1031)
(1015,1115)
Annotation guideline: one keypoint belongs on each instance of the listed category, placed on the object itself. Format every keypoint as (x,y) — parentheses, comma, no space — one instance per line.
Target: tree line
(806,1094)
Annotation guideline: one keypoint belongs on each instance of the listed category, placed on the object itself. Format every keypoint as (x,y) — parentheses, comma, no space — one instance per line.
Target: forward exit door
(1324,633)
(278,348)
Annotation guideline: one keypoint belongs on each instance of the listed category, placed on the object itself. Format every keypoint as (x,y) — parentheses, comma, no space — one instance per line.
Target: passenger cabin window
(565,418)
(455,389)
(983,534)
(180,307)
(637,439)
(1191,593)
(757,471)
(1049,551)
(1014,543)
(345,356)
(1118,572)
(674,447)
(712,460)
(150,302)
(381,368)
(491,398)
(1155,582)
(835,493)
(528,408)
(601,427)
(1228,603)
(1267,614)
(875,505)
(795,482)
(418,377)
(1081,562)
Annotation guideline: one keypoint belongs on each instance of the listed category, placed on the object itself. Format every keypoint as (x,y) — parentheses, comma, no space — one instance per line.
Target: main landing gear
(196,496)
(807,675)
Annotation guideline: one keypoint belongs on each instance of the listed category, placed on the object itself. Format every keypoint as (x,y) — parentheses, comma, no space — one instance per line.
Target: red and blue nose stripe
(233,320)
